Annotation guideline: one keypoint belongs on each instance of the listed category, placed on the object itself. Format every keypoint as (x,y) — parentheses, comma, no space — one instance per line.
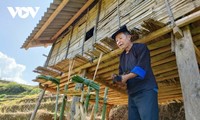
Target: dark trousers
(143,105)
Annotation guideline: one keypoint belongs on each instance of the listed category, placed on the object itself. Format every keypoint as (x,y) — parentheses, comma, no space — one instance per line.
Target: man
(135,70)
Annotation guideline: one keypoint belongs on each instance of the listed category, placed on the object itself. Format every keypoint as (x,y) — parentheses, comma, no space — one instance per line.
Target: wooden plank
(189,74)
(160,50)
(158,44)
(159,79)
(165,60)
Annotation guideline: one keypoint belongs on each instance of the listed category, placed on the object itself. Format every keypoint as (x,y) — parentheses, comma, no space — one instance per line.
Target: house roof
(59,16)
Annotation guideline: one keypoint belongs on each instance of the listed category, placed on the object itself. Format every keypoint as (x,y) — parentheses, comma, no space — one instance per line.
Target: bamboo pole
(56,107)
(38,103)
(87,99)
(92,113)
(63,104)
(97,66)
(63,107)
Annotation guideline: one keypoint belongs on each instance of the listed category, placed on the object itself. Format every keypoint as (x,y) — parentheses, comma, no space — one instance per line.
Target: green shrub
(12,88)
(2,95)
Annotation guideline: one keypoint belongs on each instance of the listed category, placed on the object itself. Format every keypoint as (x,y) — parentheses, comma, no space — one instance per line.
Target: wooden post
(96,22)
(69,42)
(189,74)
(49,55)
(57,52)
(86,20)
(176,30)
(38,103)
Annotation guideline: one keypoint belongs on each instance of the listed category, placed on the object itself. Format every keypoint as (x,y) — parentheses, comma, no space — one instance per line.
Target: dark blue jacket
(138,61)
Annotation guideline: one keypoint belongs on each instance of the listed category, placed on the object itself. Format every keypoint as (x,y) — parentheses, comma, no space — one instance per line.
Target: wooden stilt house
(79,32)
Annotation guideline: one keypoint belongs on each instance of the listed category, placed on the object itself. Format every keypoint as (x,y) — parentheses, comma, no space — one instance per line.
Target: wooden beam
(180,23)
(87,4)
(189,74)
(51,18)
(47,23)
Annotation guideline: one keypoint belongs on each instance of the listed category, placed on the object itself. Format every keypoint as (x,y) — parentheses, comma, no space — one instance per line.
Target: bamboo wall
(132,13)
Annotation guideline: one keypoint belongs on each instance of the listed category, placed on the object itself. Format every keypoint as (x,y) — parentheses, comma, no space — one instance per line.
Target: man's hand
(124,79)
(116,78)
(127,77)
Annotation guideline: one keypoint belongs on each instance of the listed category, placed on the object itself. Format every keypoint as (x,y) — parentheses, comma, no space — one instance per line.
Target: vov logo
(23,12)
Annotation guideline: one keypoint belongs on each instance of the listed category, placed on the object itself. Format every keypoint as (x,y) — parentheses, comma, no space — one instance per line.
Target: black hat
(122,29)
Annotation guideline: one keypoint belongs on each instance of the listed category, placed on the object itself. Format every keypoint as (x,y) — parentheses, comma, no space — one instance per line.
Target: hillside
(18,101)
(13,88)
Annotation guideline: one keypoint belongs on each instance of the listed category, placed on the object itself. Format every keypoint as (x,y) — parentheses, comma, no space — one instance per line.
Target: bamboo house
(79,32)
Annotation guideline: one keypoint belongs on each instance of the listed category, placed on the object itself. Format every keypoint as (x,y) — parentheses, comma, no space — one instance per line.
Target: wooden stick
(38,103)
(92,113)
(71,65)
(97,66)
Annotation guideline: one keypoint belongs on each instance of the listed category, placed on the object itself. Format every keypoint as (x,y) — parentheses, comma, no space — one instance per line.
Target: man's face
(122,40)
